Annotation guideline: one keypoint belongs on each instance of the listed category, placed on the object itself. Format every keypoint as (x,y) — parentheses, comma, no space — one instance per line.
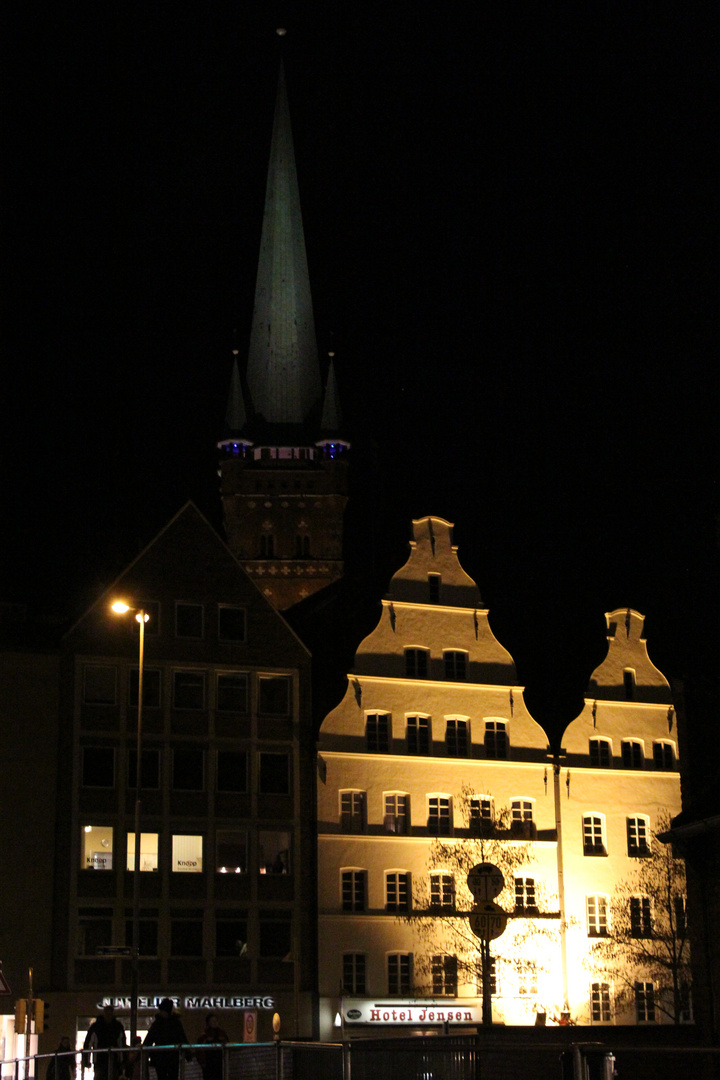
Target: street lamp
(141,616)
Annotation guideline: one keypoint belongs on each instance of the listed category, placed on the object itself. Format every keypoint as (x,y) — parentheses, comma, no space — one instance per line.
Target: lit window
(664,756)
(231,623)
(638,836)
(148,851)
(274,695)
(456,738)
(527,979)
(442,891)
(455,665)
(396,813)
(399,974)
(188,772)
(232,769)
(377,730)
(416,663)
(640,917)
(496,740)
(597,916)
(98,766)
(521,822)
(274,851)
(600,1002)
(632,754)
(645,1002)
(96,847)
(418,735)
(482,814)
(444,975)
(152,686)
(273,773)
(439,821)
(187,854)
(397,891)
(189,689)
(593,835)
(525,895)
(601,754)
(353,973)
(231,933)
(100,684)
(232,693)
(353,890)
(352,811)
(232,852)
(189,620)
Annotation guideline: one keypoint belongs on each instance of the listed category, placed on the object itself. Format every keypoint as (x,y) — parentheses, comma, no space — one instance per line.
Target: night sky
(512,231)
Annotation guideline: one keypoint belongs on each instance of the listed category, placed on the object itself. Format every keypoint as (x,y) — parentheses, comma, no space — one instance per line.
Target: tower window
(267,546)
(302,546)
(434,588)
(629,684)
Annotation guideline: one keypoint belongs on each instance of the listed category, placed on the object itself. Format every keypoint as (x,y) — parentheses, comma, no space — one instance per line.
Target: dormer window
(629,684)
(455,665)
(434,588)
(416,663)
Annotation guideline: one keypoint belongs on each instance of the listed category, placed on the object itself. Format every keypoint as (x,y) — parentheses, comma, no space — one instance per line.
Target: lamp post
(121,608)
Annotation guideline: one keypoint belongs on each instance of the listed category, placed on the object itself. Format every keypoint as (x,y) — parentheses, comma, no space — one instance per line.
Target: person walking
(62,1066)
(167,1034)
(211,1060)
(105,1034)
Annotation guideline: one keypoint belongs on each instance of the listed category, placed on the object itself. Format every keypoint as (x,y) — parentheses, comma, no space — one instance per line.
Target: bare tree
(646,948)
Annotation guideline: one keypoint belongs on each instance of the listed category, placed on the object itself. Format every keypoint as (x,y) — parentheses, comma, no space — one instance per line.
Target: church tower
(283,464)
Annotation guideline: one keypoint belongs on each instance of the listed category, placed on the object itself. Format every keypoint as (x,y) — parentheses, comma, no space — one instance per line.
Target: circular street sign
(488,921)
(485,881)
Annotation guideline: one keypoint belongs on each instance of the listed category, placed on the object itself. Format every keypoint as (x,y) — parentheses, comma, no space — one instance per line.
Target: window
(232,852)
(353,973)
(521,821)
(597,916)
(274,851)
(397,813)
(189,620)
(664,756)
(188,770)
(527,979)
(593,835)
(439,815)
(152,685)
(686,1009)
(632,754)
(186,934)
(434,581)
(601,756)
(645,1003)
(638,837)
(274,774)
(397,891)
(640,917)
(377,731)
(232,769)
(352,811)
(496,740)
(231,623)
(267,546)
(680,909)
(456,738)
(399,974)
(149,769)
(96,847)
(416,663)
(148,933)
(148,851)
(100,684)
(274,695)
(187,854)
(94,930)
(418,735)
(444,975)
(302,546)
(455,665)
(442,891)
(525,895)
(482,815)
(188,689)
(232,693)
(629,684)
(98,766)
(231,933)
(353,890)
(600,1003)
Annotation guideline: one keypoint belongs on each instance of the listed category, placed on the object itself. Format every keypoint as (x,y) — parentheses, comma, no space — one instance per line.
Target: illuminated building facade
(433,710)
(283,460)
(227,859)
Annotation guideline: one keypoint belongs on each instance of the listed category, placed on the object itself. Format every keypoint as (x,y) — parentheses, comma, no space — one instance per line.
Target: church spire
(283,373)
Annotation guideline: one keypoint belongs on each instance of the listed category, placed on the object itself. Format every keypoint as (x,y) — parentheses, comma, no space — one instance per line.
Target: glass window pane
(148,851)
(150,771)
(189,620)
(231,851)
(274,852)
(96,847)
(188,690)
(232,693)
(100,684)
(230,936)
(98,766)
(274,695)
(187,854)
(231,623)
(274,776)
(232,770)
(188,770)
(186,937)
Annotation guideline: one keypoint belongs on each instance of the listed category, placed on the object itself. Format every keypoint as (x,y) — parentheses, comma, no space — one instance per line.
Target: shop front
(347,1018)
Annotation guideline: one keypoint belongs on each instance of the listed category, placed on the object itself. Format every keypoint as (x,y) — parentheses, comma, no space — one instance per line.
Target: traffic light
(39,1016)
(20,1016)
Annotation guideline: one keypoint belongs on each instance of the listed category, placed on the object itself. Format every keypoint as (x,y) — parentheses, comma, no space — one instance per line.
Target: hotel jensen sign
(378,1013)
